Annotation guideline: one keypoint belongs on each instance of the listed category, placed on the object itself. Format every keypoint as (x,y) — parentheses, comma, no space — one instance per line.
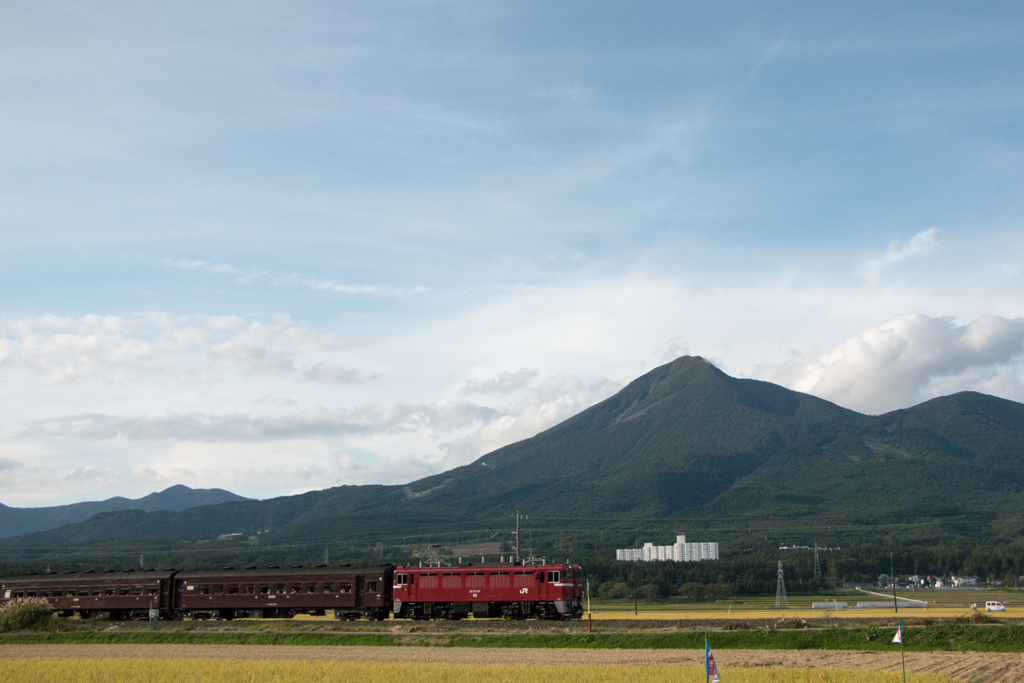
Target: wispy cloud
(900,251)
(250,275)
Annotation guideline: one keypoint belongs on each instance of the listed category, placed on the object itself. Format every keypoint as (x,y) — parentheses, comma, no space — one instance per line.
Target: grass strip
(945,637)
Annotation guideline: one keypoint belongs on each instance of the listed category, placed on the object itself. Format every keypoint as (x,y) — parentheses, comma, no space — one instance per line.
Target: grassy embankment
(168,670)
(947,636)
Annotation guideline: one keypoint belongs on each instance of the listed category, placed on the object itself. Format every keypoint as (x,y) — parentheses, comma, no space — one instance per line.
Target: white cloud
(913,358)
(900,251)
(331,373)
(506,382)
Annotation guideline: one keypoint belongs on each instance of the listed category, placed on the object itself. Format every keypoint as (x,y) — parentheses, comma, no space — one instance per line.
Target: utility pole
(892,575)
(517,544)
(817,565)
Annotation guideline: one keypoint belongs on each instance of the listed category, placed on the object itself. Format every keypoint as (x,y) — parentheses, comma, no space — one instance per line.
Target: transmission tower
(817,564)
(780,590)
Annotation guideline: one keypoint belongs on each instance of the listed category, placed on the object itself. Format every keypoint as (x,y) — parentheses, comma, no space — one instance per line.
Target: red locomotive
(552,591)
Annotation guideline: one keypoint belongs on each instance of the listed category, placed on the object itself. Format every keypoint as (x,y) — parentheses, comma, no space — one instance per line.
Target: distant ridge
(18,521)
(683,444)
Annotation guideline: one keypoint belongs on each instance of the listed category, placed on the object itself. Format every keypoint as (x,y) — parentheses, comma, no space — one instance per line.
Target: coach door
(360,584)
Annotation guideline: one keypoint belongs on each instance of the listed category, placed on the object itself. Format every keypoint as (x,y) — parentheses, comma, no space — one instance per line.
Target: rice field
(941,603)
(40,670)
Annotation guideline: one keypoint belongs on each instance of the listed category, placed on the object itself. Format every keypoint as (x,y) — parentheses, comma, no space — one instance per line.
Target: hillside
(17,521)
(685,446)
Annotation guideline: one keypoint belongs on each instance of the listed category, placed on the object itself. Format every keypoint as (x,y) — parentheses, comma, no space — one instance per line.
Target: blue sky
(275,247)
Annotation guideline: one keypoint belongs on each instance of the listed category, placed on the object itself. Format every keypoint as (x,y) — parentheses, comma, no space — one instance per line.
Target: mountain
(17,521)
(685,446)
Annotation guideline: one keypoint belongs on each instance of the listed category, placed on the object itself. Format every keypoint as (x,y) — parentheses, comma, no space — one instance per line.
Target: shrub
(24,613)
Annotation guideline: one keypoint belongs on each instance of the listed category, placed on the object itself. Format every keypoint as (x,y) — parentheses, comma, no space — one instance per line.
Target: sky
(276,247)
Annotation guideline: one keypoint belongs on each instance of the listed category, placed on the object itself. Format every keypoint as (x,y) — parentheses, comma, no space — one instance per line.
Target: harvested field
(988,667)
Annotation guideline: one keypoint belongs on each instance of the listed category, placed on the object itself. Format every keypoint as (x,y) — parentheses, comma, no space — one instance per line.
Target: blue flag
(709,663)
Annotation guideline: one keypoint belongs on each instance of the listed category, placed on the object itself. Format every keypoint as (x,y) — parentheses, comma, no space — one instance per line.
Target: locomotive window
(553,577)
(249,589)
(428,580)
(204,590)
(264,588)
(499,580)
(312,588)
(328,588)
(522,579)
(475,580)
(233,589)
(399,579)
(412,579)
(218,588)
(451,580)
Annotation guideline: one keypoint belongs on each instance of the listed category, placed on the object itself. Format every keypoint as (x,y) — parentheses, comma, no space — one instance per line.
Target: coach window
(123,590)
(296,588)
(264,589)
(218,589)
(44,593)
(96,591)
(279,588)
(152,590)
(233,589)
(312,588)
(137,590)
(203,589)
(328,588)
(249,589)
(345,588)
(57,592)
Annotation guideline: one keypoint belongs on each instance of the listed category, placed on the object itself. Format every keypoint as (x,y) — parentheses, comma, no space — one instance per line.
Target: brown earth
(960,666)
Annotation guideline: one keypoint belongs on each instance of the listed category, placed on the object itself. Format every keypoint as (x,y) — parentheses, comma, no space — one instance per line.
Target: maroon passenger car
(264,593)
(515,592)
(107,595)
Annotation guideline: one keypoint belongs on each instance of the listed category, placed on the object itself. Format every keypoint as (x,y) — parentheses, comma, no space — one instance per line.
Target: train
(549,591)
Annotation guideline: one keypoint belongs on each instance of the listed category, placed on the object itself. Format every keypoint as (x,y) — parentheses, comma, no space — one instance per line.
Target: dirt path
(969,666)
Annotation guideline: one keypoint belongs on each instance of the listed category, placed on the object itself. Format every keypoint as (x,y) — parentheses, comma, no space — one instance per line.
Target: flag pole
(707,672)
(903,657)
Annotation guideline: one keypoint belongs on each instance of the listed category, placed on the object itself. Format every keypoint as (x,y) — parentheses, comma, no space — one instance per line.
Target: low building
(680,551)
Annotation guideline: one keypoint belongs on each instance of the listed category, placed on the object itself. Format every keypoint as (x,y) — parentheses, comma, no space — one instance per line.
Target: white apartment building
(680,551)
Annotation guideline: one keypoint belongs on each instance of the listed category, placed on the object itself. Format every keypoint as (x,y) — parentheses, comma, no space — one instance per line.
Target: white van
(995,607)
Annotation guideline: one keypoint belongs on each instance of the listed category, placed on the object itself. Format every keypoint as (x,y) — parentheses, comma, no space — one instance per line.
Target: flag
(709,663)
(898,638)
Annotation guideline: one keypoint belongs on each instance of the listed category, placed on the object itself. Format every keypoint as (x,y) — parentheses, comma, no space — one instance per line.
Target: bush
(24,613)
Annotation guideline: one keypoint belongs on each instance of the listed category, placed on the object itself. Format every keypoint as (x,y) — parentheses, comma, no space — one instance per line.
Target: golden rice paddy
(37,670)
